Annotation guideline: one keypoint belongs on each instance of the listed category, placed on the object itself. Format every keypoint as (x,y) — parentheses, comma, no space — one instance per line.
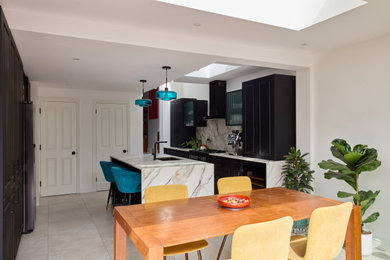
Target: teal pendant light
(144,102)
(166,94)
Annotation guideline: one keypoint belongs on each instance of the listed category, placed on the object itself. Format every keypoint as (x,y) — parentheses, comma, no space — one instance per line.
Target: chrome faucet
(154,150)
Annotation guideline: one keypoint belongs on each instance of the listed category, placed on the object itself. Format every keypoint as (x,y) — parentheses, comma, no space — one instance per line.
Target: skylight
(289,14)
(212,70)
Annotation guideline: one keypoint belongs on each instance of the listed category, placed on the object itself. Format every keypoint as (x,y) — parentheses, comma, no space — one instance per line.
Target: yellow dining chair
(230,185)
(326,234)
(263,241)
(174,192)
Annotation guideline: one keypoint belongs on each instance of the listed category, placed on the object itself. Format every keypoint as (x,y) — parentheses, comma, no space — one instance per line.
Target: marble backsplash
(214,135)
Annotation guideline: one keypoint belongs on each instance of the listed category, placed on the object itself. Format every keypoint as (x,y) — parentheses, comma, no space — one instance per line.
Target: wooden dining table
(151,227)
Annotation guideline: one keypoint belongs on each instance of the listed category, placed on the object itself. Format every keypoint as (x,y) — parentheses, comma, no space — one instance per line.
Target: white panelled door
(58,148)
(111,136)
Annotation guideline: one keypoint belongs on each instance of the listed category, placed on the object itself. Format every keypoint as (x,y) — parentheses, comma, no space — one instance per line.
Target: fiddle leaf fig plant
(355,161)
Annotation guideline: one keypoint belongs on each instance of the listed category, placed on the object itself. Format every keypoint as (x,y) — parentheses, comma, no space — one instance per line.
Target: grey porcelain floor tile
(44,201)
(66,207)
(71,225)
(70,240)
(69,215)
(32,257)
(76,198)
(95,253)
(33,245)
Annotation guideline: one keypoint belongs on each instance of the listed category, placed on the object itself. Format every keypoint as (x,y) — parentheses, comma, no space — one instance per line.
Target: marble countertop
(146,161)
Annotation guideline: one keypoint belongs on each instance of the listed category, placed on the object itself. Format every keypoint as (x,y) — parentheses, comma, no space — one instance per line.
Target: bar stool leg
(109,195)
(222,245)
(186,256)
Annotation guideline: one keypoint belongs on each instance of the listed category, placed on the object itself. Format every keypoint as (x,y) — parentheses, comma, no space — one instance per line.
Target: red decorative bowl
(234,201)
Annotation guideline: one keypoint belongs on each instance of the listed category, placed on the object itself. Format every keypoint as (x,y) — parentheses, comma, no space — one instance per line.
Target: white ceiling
(294,15)
(50,33)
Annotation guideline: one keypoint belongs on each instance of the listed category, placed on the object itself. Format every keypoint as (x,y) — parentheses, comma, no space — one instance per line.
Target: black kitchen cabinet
(234,108)
(195,112)
(269,126)
(175,152)
(217,97)
(11,144)
(179,132)
(225,167)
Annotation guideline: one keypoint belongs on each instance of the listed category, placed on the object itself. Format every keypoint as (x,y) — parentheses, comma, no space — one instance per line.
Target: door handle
(124,151)
(73,153)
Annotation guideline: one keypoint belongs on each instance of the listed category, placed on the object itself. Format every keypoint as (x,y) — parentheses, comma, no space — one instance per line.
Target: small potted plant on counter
(297,175)
(355,161)
(192,143)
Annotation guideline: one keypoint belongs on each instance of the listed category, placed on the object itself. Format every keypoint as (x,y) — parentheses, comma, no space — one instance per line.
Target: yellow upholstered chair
(230,185)
(263,241)
(234,184)
(326,234)
(174,192)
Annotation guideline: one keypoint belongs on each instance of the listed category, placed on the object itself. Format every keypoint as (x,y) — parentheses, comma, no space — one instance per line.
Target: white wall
(351,100)
(87,99)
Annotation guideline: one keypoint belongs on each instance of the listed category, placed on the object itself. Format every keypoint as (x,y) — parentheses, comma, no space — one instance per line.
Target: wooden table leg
(156,253)
(120,243)
(353,243)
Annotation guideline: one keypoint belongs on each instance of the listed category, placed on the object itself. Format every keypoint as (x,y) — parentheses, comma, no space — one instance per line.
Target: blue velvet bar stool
(127,181)
(106,168)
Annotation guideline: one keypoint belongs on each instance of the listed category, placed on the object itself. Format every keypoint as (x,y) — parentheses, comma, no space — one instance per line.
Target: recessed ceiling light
(304,44)
(295,15)
(76,59)
(212,70)
(196,24)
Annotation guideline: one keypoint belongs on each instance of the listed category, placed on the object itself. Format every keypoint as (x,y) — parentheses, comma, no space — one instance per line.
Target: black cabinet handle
(124,151)
(73,153)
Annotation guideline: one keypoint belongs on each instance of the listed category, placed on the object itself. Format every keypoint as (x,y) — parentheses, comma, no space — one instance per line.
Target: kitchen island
(197,176)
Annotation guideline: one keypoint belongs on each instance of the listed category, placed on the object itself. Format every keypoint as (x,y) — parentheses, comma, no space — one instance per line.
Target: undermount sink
(168,159)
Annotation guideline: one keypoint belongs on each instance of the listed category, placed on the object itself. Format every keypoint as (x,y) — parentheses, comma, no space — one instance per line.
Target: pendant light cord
(166,79)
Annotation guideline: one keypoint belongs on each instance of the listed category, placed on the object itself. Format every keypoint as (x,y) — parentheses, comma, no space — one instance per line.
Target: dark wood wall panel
(11,143)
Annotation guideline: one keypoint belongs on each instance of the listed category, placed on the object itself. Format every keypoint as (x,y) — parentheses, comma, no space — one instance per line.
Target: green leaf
(336,153)
(341,176)
(343,194)
(367,198)
(332,165)
(368,167)
(359,148)
(371,218)
(369,157)
(342,146)
(352,157)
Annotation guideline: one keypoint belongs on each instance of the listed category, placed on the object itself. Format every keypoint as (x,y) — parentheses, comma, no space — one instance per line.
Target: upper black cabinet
(195,112)
(269,126)
(179,132)
(234,108)
(217,99)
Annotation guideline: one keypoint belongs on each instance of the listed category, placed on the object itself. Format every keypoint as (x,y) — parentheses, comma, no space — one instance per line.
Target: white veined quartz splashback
(214,135)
